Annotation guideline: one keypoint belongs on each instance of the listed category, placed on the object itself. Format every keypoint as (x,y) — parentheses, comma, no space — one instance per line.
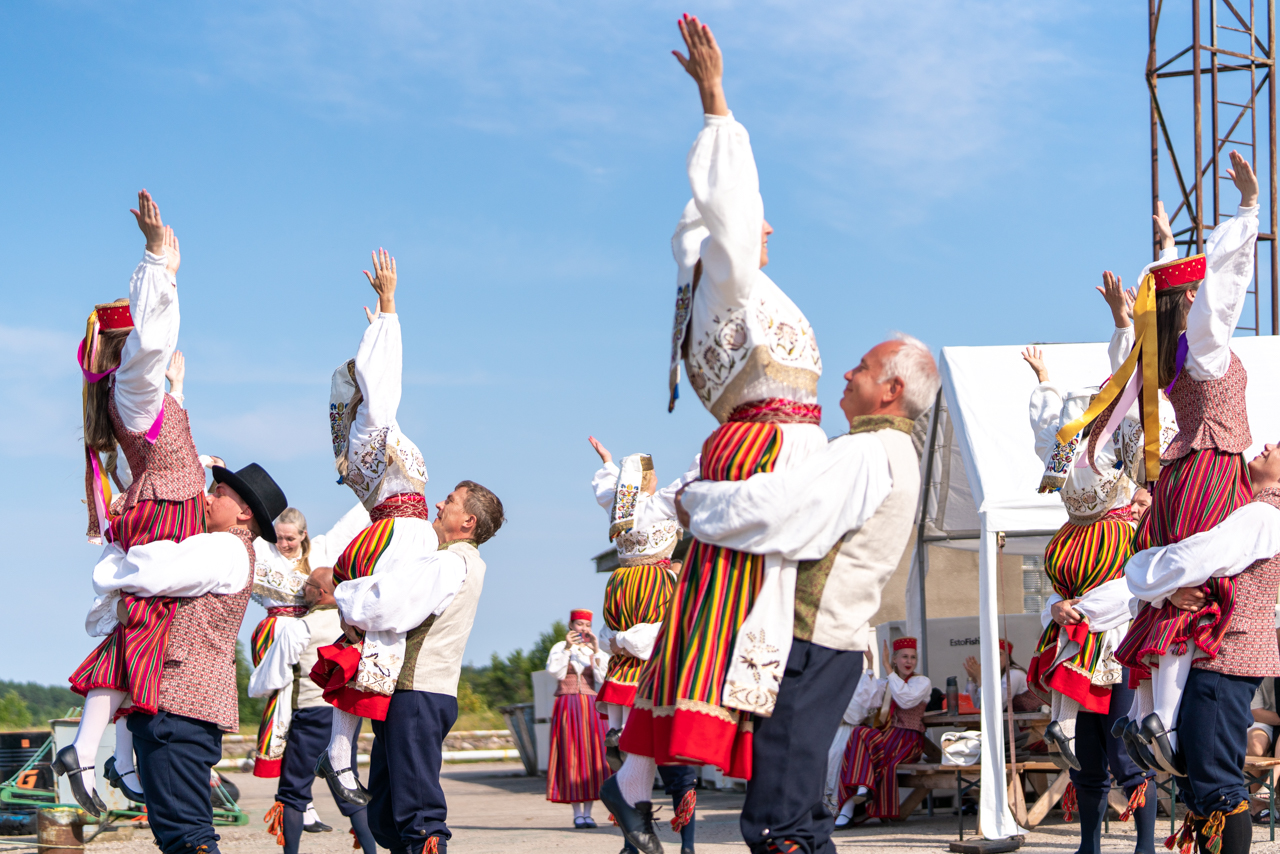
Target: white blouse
(276,581)
(869,695)
(139,381)
(579,657)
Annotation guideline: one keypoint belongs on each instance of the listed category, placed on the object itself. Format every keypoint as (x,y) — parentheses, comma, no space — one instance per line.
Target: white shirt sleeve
(866,697)
(276,669)
(1018,680)
(661,506)
(638,640)
(1120,346)
(726,189)
(1106,606)
(328,547)
(204,563)
(403,598)
(558,660)
(1046,613)
(153,303)
(1250,534)
(910,694)
(801,513)
(1213,316)
(379,365)
(605,485)
(1045,410)
(599,668)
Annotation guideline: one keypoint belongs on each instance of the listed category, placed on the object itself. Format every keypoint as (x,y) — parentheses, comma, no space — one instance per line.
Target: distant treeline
(26,705)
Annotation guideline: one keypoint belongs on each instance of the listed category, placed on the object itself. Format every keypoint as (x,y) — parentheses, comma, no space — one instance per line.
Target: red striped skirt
(871,759)
(131,658)
(1194,493)
(576,768)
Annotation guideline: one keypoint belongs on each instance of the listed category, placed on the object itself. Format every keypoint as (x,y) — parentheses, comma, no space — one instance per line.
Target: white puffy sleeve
(276,669)
(403,598)
(1045,410)
(605,485)
(867,696)
(1107,605)
(1046,613)
(911,693)
(599,668)
(153,303)
(328,547)
(379,365)
(661,506)
(639,639)
(1213,316)
(558,660)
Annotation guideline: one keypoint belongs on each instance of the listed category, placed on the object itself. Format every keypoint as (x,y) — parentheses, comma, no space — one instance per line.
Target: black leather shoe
(358,796)
(1118,728)
(1139,751)
(1132,745)
(635,822)
(1155,735)
(612,754)
(116,779)
(68,762)
(1054,733)
(317,826)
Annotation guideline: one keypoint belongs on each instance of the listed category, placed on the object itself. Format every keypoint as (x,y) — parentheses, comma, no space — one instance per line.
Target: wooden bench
(923,777)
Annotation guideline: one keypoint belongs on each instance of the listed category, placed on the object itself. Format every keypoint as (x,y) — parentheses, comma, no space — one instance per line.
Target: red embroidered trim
(777,410)
(288,611)
(403,505)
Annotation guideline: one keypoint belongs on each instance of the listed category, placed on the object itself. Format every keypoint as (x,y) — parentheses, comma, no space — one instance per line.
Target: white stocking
(100,705)
(847,809)
(1167,683)
(345,727)
(615,715)
(1064,711)
(1143,704)
(577,810)
(635,778)
(124,756)
(586,809)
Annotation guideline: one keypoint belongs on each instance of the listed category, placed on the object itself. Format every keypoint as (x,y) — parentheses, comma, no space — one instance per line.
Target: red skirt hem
(617,693)
(267,767)
(689,738)
(1069,683)
(335,667)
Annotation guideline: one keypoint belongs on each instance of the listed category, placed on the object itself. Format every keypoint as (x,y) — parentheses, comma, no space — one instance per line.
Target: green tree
(507,680)
(44,702)
(250,707)
(14,713)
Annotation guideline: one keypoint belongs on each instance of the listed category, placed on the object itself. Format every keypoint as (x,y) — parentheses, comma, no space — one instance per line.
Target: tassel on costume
(1185,839)
(684,812)
(275,821)
(1070,803)
(1137,801)
(1213,827)
(429,847)
(355,840)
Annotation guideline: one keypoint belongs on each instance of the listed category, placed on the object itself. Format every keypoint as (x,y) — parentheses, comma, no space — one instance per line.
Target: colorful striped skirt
(576,767)
(131,658)
(678,718)
(1194,493)
(1078,559)
(871,759)
(272,733)
(635,594)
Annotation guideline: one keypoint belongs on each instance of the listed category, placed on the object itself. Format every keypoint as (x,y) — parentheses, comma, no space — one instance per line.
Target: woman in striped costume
(753,362)
(1203,476)
(871,758)
(576,766)
(124,355)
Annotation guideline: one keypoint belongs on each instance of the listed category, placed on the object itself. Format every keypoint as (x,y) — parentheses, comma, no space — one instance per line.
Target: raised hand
(605,456)
(1246,182)
(1162,227)
(148,216)
(383,280)
(172,255)
(176,372)
(1035,359)
(1120,303)
(705,64)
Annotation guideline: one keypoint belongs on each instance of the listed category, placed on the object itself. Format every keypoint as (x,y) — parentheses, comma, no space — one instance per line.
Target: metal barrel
(60,830)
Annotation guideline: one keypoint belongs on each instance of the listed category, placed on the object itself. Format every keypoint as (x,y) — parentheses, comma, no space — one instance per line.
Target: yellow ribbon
(1144,322)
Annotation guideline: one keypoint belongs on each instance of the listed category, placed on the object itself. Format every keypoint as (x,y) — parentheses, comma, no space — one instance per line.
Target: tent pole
(922,556)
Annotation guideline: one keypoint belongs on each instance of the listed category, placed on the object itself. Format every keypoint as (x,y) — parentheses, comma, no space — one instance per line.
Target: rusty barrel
(60,830)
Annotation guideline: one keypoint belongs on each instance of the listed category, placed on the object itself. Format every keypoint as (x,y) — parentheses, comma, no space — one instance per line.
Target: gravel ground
(495,808)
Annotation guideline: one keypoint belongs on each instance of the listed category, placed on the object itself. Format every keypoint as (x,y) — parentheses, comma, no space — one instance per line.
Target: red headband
(1006,646)
(579,614)
(904,643)
(114,317)
(1183,271)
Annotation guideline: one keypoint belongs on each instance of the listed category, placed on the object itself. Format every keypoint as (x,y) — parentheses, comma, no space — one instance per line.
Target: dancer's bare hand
(1064,612)
(705,64)
(148,216)
(172,255)
(973,670)
(1112,290)
(383,280)
(353,634)
(1246,182)
(176,372)
(1163,229)
(605,456)
(1188,598)
(1035,358)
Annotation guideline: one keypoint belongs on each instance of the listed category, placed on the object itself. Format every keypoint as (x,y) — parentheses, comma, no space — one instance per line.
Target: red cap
(904,643)
(1006,646)
(114,316)
(1181,272)
(579,614)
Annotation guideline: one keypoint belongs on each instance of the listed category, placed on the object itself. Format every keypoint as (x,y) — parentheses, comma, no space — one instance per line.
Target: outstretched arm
(380,359)
(176,374)
(605,482)
(705,64)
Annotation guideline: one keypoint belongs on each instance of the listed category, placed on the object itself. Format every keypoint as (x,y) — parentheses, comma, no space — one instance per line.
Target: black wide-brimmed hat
(259,491)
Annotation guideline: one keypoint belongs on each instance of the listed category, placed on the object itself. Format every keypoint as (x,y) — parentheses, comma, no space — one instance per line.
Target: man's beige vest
(837,596)
(433,651)
(326,627)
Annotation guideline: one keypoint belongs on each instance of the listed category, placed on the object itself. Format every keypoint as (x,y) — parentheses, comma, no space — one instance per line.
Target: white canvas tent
(981,480)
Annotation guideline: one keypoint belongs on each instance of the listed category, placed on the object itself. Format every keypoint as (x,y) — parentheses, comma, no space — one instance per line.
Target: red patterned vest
(1210,414)
(199,679)
(1249,645)
(575,683)
(912,718)
(169,470)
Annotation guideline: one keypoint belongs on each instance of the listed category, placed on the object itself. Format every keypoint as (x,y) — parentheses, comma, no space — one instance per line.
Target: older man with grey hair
(845,514)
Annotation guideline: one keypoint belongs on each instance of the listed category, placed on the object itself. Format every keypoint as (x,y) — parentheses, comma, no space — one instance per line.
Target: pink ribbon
(1127,397)
(90,376)
(153,432)
(99,499)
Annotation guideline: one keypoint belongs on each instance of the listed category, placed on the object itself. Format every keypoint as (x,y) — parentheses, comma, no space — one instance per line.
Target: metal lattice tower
(1237,60)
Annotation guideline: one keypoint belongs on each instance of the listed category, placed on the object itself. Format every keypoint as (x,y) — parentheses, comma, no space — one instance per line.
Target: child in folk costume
(576,766)
(1185,313)
(873,754)
(280,571)
(123,356)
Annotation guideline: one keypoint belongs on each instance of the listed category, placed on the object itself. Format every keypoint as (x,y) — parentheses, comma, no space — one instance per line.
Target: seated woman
(1011,672)
(872,757)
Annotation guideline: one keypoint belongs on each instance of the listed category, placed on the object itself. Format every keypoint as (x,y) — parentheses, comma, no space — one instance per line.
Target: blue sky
(958,170)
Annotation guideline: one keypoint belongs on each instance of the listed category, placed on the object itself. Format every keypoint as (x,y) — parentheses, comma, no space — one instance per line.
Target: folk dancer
(896,735)
(753,362)
(123,356)
(280,574)
(576,766)
(284,673)
(845,514)
(1244,547)
(1191,307)
(386,471)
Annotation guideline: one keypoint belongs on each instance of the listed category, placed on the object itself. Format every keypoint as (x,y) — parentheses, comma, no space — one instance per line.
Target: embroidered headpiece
(630,484)
(1183,271)
(579,614)
(114,315)
(904,643)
